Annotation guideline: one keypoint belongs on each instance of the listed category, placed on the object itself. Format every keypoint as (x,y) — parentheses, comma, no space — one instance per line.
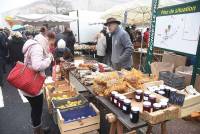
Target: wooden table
(122,118)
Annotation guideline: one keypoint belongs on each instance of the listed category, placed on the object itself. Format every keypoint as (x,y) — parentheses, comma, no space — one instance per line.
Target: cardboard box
(175,59)
(157,67)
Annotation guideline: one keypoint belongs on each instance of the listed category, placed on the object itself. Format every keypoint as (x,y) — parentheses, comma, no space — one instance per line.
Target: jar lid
(114,92)
(156,105)
(162,103)
(161,92)
(127,101)
(164,100)
(122,97)
(173,89)
(152,96)
(117,95)
(139,91)
(157,89)
(135,109)
(147,103)
(162,86)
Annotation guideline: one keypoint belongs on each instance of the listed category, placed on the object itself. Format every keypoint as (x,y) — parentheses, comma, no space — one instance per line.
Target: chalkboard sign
(176,98)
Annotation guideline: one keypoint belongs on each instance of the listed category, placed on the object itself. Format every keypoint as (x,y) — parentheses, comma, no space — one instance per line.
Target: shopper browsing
(121,57)
(36,59)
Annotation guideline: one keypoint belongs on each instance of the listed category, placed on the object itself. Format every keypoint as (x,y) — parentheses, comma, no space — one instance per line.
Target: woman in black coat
(15,45)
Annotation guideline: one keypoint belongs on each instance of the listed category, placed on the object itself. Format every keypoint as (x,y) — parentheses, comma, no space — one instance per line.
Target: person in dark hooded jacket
(15,46)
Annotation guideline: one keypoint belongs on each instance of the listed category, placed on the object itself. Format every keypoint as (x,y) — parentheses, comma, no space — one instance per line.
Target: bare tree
(57,4)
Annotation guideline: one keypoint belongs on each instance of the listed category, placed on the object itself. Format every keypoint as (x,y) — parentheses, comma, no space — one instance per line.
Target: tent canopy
(38,19)
(138,11)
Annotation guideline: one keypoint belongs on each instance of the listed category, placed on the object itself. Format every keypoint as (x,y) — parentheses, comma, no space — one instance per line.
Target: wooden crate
(79,127)
(172,112)
(63,86)
(191,103)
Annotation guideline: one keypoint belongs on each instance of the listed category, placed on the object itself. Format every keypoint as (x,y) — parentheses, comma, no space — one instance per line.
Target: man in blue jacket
(122,49)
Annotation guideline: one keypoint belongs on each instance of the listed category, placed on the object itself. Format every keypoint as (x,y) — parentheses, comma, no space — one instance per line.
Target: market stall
(40,19)
(132,99)
(156,102)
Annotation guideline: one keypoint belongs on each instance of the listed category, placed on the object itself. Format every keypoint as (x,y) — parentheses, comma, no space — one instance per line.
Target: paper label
(145,98)
(131,116)
(137,97)
(115,101)
(124,108)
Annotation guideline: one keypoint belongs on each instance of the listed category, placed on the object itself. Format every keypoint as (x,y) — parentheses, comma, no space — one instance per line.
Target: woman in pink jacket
(36,57)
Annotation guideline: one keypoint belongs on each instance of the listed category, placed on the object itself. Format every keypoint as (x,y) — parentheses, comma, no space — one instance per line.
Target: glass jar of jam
(156,107)
(161,93)
(152,99)
(138,95)
(146,95)
(147,106)
(163,104)
(134,115)
(164,100)
(157,90)
(116,98)
(121,101)
(167,92)
(151,89)
(172,90)
(127,106)
(113,93)
(162,87)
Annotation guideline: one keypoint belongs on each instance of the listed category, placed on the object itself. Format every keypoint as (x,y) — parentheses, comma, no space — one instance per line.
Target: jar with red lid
(121,101)
(127,106)
(113,93)
(138,95)
(156,107)
(146,95)
(147,106)
(152,99)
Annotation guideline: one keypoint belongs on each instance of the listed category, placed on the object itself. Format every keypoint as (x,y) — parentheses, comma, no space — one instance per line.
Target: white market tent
(39,19)
(135,12)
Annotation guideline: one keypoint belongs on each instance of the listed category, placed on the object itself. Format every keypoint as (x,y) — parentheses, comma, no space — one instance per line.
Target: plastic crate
(172,79)
(57,103)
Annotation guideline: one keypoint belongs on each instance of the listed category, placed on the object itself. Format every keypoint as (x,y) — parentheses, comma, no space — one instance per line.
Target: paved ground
(15,116)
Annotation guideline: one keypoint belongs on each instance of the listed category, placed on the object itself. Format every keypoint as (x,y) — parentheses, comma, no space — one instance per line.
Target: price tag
(177,99)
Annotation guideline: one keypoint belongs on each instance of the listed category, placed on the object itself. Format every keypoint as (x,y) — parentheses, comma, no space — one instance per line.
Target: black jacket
(15,46)
(3,47)
(70,40)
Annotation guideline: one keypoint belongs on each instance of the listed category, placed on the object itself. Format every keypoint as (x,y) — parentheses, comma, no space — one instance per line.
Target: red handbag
(26,79)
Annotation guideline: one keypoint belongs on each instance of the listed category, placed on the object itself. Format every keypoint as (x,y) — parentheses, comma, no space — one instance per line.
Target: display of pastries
(120,81)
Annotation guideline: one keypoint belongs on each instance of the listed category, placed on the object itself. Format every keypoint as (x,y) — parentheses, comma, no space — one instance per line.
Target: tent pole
(78,27)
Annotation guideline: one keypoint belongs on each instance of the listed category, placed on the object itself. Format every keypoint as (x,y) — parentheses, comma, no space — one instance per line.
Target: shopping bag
(26,79)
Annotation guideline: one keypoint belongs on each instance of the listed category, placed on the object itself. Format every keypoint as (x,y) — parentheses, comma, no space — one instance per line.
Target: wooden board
(122,117)
(172,112)
(80,126)
(191,103)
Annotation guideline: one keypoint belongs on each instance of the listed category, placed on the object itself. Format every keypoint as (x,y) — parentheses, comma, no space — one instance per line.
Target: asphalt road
(15,113)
